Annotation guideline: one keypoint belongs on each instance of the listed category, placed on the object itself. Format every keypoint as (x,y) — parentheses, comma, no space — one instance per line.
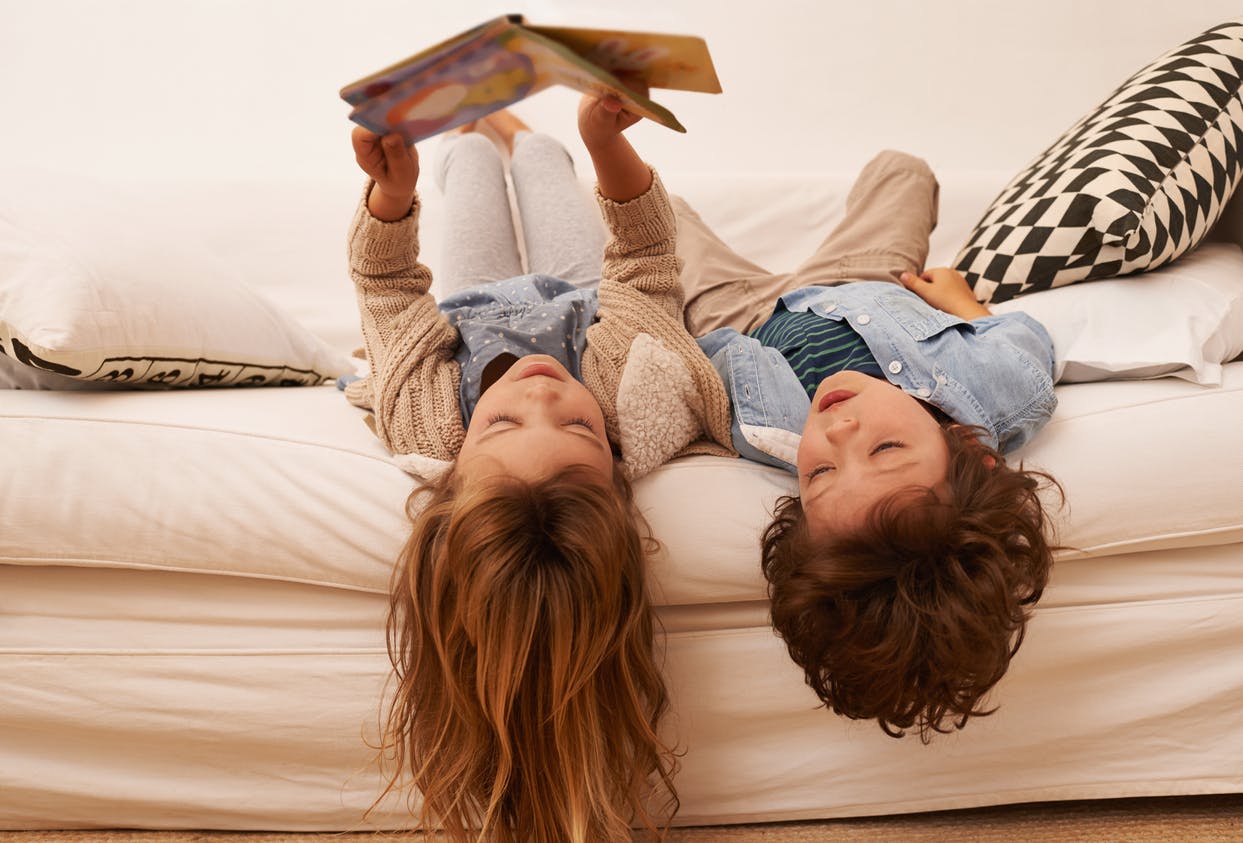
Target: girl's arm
(384,238)
(409,343)
(395,168)
(640,266)
(620,172)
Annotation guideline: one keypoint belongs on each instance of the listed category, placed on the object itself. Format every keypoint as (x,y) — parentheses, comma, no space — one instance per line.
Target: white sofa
(192,582)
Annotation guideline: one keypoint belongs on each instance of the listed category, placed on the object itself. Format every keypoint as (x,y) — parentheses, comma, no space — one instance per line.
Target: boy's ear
(990,462)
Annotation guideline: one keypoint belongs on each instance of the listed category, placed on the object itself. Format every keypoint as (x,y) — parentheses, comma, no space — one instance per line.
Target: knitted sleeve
(414,379)
(640,259)
(641,294)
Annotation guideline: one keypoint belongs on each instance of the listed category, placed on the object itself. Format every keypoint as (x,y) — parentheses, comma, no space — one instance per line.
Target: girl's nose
(542,391)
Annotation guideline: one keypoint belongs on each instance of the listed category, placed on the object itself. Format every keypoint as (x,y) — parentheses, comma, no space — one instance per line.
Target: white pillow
(106,289)
(1183,319)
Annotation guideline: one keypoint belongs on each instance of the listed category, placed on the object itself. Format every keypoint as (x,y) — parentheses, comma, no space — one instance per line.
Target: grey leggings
(562,232)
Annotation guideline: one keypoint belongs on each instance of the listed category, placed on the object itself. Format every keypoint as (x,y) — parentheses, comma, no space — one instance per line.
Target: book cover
(504,60)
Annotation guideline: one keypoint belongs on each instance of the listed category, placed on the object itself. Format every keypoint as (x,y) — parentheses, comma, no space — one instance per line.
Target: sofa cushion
(289,484)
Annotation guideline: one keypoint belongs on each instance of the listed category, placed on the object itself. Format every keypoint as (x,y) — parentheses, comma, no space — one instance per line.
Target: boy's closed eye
(887,445)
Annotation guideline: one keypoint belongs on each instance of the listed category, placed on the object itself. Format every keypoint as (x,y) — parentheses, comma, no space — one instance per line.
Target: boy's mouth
(834,396)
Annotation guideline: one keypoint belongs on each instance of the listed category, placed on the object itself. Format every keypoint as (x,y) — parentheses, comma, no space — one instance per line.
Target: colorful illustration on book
(618,56)
(502,61)
(484,80)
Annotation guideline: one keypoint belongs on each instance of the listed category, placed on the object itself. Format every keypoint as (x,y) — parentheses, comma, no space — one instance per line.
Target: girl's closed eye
(886,445)
(501,417)
(582,420)
(820,469)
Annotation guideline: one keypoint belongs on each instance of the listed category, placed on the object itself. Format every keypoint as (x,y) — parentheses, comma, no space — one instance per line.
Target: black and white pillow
(1131,186)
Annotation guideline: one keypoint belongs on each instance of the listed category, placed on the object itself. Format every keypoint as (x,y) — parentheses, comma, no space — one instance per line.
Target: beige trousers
(890,212)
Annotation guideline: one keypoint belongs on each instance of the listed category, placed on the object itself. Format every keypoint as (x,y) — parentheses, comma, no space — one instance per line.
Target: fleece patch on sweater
(659,410)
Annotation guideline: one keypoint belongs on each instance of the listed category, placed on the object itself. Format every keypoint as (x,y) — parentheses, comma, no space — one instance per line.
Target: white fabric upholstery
(193,587)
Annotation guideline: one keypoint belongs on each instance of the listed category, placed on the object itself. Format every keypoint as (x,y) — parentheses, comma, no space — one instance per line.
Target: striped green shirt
(816,347)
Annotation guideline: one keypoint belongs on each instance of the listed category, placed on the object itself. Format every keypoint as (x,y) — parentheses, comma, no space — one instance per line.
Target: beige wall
(239,87)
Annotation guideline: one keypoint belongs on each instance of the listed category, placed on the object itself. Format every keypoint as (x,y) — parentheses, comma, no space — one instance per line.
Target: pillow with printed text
(104,292)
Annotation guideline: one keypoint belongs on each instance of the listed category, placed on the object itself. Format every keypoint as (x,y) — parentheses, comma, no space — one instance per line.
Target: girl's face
(864,439)
(534,420)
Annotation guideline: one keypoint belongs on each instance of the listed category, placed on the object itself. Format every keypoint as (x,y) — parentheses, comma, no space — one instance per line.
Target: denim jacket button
(942,380)
(895,366)
(923,392)
(864,319)
(830,308)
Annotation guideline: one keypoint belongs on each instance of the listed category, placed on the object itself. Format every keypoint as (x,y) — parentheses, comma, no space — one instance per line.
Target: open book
(504,60)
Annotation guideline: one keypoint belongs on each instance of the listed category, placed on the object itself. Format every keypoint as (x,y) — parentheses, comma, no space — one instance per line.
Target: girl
(902,575)
(528,696)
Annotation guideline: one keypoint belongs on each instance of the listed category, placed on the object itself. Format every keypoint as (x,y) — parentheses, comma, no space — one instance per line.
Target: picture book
(504,60)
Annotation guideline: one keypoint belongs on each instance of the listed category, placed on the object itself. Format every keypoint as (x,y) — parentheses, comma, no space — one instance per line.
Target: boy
(902,575)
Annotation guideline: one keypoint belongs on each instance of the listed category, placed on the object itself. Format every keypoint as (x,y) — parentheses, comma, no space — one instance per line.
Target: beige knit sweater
(660,395)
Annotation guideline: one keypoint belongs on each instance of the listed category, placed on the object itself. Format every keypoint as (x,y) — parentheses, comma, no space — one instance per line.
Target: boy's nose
(841,429)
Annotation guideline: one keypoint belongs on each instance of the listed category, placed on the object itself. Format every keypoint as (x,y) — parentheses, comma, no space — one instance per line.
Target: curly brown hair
(913,617)
(528,688)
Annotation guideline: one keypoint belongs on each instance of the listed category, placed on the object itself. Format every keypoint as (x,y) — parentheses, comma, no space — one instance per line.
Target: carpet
(1171,819)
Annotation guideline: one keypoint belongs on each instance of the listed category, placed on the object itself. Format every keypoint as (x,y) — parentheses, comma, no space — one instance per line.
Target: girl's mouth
(545,369)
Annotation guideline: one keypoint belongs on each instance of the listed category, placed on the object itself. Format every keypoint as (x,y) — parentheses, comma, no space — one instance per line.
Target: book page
(677,62)
(382,81)
(467,85)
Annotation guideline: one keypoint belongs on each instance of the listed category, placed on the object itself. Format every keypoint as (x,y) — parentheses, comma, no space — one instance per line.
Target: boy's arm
(946,289)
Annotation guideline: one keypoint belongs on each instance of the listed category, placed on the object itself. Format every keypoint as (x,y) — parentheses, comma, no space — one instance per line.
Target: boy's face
(534,420)
(864,439)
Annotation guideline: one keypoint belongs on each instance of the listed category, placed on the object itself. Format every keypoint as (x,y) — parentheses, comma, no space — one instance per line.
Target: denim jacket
(995,372)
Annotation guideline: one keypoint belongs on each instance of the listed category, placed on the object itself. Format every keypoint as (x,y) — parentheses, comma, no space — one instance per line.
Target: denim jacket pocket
(766,392)
(917,318)
(768,404)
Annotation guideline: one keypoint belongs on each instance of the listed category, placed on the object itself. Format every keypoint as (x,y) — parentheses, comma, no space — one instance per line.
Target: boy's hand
(945,289)
(395,168)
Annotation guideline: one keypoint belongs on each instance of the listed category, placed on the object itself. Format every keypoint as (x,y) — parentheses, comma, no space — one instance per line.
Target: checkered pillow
(1133,185)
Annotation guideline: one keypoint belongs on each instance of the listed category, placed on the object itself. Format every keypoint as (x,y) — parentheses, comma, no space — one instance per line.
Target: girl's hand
(395,168)
(602,120)
(621,174)
(945,289)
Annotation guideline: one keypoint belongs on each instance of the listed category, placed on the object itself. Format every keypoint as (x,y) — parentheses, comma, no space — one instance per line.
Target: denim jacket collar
(995,372)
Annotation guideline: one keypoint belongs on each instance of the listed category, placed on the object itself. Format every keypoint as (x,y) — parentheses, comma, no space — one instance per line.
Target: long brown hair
(528,692)
(912,618)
